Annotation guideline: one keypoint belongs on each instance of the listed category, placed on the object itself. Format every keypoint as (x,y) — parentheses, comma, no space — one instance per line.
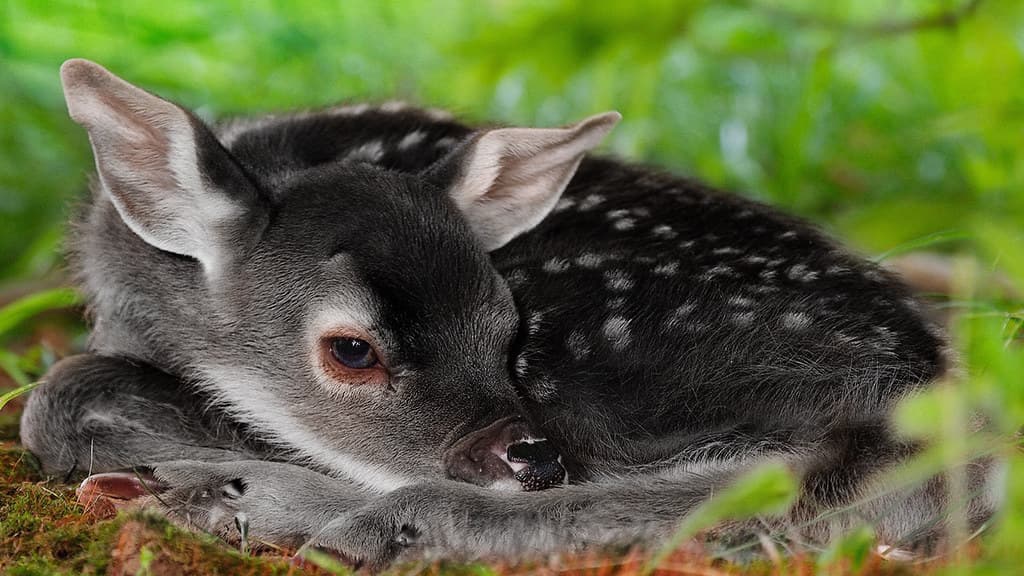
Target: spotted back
(653,306)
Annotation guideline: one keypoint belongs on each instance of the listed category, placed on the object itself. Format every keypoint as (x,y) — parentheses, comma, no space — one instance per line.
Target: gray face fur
(242,284)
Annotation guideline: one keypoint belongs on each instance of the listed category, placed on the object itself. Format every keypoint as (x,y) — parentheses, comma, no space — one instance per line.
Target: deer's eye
(353,353)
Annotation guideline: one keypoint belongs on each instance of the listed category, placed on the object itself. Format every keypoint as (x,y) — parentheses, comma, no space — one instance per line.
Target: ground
(44,530)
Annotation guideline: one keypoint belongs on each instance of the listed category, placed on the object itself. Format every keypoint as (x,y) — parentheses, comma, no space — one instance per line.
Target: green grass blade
(9,364)
(7,397)
(940,237)
(24,308)
(324,561)
(768,489)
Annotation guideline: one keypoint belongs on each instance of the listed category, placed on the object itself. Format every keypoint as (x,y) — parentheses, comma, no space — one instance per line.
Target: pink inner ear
(512,177)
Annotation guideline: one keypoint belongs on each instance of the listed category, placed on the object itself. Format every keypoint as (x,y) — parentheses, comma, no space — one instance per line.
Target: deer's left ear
(508,179)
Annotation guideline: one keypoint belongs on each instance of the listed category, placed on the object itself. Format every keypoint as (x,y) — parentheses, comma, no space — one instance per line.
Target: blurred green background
(886,120)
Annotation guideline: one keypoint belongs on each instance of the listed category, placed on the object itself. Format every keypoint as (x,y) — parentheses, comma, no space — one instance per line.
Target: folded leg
(98,413)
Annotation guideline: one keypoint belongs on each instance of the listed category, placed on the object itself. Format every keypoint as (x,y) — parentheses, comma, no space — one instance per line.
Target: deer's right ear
(169,178)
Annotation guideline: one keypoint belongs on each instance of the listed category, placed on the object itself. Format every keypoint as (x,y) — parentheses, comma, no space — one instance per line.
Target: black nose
(543,468)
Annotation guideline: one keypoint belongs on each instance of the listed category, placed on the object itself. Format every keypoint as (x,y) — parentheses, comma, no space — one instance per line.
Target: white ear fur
(147,160)
(512,177)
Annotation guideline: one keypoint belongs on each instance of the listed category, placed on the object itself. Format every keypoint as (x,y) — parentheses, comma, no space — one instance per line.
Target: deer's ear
(509,179)
(169,178)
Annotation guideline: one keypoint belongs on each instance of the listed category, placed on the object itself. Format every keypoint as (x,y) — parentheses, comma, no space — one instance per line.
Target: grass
(896,129)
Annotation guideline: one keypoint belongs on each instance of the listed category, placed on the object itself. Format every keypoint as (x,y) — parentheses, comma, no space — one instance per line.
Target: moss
(44,530)
(17,465)
(149,543)
(8,425)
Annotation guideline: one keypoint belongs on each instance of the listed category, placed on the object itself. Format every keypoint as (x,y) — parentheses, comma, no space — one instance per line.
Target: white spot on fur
(590,202)
(618,280)
(372,151)
(616,214)
(667,269)
(802,273)
(348,110)
(556,265)
(563,204)
(715,271)
(616,331)
(446,142)
(726,251)
(590,260)
(229,132)
(522,365)
(679,315)
(795,320)
(411,139)
(664,231)
(755,260)
(740,301)
(438,114)
(624,224)
(394,106)
(844,338)
(743,318)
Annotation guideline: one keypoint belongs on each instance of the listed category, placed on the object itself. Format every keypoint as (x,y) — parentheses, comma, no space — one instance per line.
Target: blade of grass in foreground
(9,364)
(7,397)
(768,489)
(24,308)
(923,242)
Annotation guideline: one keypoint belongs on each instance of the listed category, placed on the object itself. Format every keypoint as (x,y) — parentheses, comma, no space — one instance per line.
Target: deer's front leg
(258,501)
(448,519)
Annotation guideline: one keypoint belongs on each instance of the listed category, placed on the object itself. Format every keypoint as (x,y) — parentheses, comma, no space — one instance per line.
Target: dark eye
(353,353)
